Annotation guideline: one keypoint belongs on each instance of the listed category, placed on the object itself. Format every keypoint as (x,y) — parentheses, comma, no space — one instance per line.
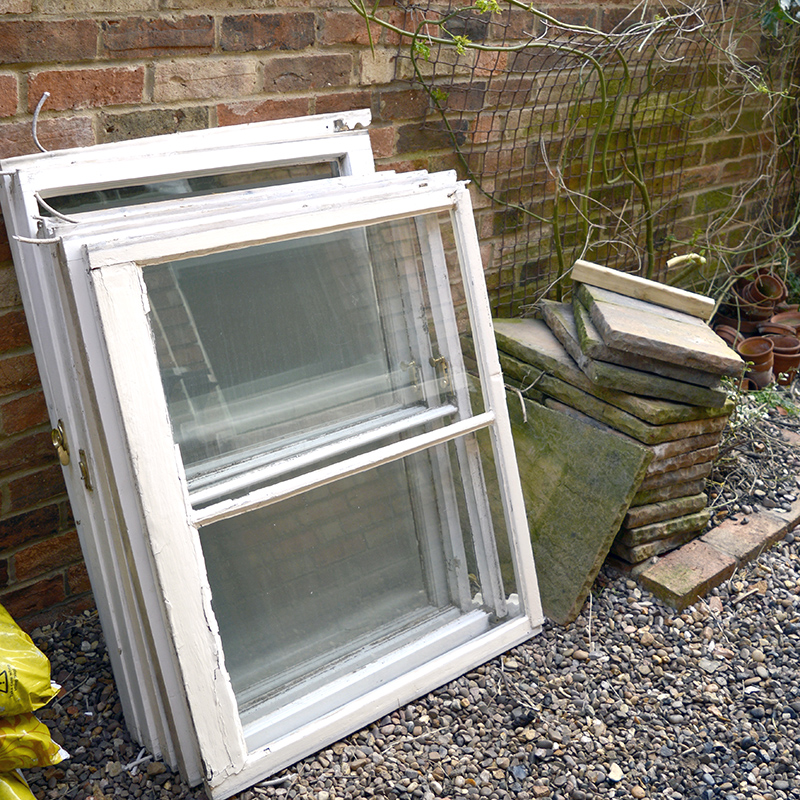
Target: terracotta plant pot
(775,328)
(729,335)
(766,287)
(785,345)
(787,318)
(757,350)
(760,377)
(785,367)
(728,316)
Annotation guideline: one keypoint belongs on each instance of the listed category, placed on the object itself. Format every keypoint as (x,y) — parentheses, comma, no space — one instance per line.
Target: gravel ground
(631,700)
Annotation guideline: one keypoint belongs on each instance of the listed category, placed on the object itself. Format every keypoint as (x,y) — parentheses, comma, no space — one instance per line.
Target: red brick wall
(117,69)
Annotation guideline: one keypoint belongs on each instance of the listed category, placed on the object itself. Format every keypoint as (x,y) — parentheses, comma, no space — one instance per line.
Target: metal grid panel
(578,137)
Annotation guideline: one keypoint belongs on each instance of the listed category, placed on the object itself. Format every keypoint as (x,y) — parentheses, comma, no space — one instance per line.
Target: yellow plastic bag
(24,671)
(14,787)
(25,742)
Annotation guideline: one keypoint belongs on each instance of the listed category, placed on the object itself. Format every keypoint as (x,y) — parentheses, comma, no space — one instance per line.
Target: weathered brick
(5,257)
(8,95)
(151,122)
(382,140)
(23,413)
(722,149)
(54,134)
(47,42)
(341,101)
(29,526)
(429,136)
(301,73)
(78,579)
(16,6)
(26,452)
(86,88)
(46,556)
(3,572)
(39,487)
(93,6)
(18,373)
(13,331)
(35,598)
(377,66)
(139,37)
(258,111)
(192,79)
(9,288)
(346,27)
(219,5)
(281,31)
(403,104)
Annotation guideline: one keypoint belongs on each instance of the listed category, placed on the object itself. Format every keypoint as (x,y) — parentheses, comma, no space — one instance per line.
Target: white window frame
(139,648)
(95,286)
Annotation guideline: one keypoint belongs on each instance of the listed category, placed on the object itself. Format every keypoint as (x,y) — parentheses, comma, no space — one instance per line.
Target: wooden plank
(653,292)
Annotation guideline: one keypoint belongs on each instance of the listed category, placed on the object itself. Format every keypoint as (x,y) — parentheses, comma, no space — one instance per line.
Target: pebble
(700,704)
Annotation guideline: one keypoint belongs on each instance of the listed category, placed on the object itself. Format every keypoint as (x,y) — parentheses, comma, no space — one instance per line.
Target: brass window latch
(59,438)
(442,368)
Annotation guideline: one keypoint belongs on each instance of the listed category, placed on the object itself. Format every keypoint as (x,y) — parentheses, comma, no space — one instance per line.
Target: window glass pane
(302,588)
(261,347)
(116,197)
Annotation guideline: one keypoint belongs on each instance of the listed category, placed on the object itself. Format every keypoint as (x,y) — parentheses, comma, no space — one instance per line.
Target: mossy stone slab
(630,373)
(578,482)
(641,552)
(530,379)
(693,473)
(662,465)
(531,342)
(648,496)
(663,510)
(634,326)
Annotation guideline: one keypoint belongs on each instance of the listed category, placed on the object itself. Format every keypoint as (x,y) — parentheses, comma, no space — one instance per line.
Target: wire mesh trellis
(579,137)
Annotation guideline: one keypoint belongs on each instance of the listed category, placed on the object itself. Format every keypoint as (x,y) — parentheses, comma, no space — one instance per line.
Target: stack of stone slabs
(663,391)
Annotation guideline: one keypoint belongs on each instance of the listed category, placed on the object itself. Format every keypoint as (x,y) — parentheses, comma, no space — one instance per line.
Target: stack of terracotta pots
(756,322)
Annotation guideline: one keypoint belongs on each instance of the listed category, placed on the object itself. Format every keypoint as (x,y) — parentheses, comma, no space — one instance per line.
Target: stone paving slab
(641,376)
(682,460)
(664,509)
(645,497)
(655,531)
(637,327)
(531,342)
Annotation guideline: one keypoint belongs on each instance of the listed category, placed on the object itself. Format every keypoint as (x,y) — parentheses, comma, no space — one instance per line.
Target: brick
(46,556)
(39,487)
(346,27)
(3,572)
(193,79)
(8,95)
(684,576)
(15,6)
(23,413)
(258,111)
(382,140)
(35,598)
(746,542)
(13,331)
(303,73)
(29,526)
(280,31)
(18,373)
(429,136)
(341,101)
(93,7)
(54,134)
(377,67)
(219,5)
(5,256)
(405,104)
(86,88)
(78,579)
(139,37)
(26,452)
(151,122)
(48,42)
